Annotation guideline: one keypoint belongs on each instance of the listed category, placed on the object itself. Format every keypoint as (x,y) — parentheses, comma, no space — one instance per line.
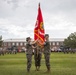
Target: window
(24,44)
(13,43)
(57,43)
(17,44)
(53,43)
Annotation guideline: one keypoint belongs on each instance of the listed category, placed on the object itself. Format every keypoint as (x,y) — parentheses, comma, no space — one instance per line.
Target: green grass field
(61,64)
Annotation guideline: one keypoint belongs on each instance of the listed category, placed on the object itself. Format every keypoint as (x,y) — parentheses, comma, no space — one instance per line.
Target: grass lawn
(61,64)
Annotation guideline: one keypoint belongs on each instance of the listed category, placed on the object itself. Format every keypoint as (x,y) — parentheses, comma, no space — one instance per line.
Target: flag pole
(39,4)
(38,33)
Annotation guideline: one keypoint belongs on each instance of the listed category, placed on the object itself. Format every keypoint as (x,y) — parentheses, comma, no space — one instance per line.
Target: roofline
(24,40)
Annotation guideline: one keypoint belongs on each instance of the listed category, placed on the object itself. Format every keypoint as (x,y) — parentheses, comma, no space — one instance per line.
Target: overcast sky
(18,17)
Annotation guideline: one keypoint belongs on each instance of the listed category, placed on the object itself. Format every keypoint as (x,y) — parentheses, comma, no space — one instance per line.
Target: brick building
(20,43)
(56,43)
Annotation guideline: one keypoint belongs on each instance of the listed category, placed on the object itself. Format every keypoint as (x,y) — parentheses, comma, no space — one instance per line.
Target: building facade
(19,43)
(55,43)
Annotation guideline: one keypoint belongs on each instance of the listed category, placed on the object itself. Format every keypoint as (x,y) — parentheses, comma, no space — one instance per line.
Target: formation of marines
(38,53)
(11,50)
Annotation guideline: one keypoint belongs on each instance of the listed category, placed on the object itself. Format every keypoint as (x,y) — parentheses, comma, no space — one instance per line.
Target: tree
(1,41)
(70,41)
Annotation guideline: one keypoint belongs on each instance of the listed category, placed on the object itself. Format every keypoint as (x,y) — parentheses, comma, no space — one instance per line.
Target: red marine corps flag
(39,31)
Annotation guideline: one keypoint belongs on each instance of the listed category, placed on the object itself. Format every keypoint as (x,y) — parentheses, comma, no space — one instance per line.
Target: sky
(18,17)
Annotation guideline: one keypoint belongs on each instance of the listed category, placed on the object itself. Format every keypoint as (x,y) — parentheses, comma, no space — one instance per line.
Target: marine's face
(47,37)
(29,40)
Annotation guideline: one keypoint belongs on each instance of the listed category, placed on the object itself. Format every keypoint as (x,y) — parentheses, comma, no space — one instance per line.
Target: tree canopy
(70,41)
